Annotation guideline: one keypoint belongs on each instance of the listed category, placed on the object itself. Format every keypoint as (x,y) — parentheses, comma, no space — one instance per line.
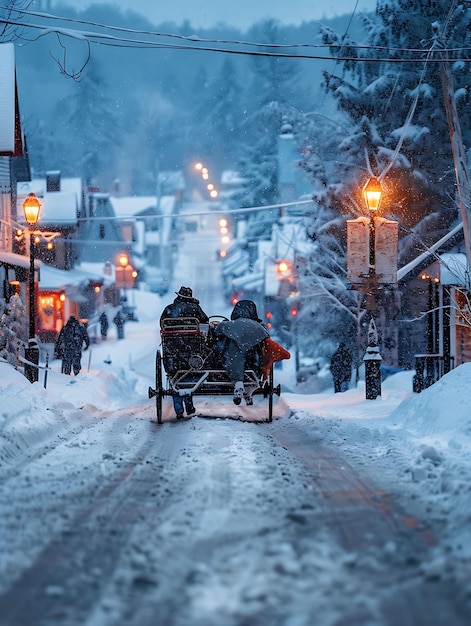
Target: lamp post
(372,193)
(31,208)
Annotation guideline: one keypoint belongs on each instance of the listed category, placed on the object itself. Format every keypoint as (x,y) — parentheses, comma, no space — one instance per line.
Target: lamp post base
(32,355)
(372,360)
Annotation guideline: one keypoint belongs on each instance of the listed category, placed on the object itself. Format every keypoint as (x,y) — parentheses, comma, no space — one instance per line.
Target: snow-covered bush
(13,328)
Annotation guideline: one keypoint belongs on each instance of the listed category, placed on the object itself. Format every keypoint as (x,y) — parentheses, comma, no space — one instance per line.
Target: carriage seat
(182,339)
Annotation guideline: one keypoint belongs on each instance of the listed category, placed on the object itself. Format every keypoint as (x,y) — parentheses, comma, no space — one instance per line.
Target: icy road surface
(334,514)
(210,522)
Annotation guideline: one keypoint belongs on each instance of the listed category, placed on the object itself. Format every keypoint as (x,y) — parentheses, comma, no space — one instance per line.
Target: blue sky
(241,14)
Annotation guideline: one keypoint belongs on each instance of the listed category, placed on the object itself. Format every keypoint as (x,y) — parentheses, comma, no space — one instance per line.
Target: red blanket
(271,353)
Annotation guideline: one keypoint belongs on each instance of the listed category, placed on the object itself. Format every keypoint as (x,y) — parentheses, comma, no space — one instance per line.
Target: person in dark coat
(184,305)
(104,325)
(238,343)
(69,345)
(341,368)
(119,321)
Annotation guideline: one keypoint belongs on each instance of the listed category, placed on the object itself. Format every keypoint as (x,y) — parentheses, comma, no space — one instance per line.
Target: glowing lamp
(31,208)
(372,193)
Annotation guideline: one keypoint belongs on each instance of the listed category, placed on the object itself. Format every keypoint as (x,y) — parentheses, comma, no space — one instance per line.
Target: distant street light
(125,274)
(31,208)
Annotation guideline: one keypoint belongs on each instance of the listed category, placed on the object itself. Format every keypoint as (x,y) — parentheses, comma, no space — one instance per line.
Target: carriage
(193,366)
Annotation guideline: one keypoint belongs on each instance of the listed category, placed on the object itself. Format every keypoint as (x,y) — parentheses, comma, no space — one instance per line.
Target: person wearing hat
(184,305)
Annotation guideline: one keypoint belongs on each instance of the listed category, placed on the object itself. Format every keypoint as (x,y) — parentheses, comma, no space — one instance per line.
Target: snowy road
(209,522)
(331,515)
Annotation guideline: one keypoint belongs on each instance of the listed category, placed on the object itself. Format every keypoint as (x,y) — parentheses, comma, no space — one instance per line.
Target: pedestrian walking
(119,320)
(69,345)
(104,325)
(341,368)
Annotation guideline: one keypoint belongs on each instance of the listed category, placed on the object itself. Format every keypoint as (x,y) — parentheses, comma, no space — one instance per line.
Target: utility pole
(459,154)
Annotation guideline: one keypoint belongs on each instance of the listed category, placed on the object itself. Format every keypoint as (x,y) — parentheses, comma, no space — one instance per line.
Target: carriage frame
(192,365)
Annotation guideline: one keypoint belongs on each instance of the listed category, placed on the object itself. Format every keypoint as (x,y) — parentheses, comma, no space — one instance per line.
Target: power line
(196,214)
(113,41)
(194,39)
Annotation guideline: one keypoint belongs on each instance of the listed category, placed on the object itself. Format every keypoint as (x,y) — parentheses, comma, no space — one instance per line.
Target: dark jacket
(71,339)
(104,324)
(184,307)
(119,319)
(341,364)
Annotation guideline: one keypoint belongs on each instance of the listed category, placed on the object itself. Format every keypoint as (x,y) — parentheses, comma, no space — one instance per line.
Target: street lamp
(31,208)
(372,193)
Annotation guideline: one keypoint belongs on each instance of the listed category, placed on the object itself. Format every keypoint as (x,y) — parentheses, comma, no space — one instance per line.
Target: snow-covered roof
(129,206)
(172,181)
(250,282)
(54,278)
(59,208)
(236,263)
(98,271)
(10,258)
(454,269)
(231,177)
(134,206)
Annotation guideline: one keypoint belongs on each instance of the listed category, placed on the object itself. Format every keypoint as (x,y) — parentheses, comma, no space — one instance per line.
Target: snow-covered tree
(394,123)
(219,112)
(267,100)
(88,119)
(13,328)
(396,107)
(273,76)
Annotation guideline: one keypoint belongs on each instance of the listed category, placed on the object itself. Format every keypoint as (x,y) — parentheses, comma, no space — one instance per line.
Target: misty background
(120,113)
(207,13)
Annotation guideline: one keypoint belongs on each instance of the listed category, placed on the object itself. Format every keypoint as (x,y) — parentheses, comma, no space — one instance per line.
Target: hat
(185,292)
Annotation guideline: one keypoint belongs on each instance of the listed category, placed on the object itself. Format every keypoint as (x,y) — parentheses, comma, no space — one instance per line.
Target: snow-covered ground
(417,447)
(215,521)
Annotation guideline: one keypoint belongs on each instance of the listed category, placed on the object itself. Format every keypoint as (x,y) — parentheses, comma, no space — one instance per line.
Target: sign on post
(385,251)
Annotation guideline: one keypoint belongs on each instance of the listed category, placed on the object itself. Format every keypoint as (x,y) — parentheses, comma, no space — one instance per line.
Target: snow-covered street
(341,511)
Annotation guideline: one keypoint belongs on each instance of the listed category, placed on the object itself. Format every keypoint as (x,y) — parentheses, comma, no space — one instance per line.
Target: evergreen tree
(267,101)
(220,111)
(89,120)
(380,125)
(273,76)
(378,98)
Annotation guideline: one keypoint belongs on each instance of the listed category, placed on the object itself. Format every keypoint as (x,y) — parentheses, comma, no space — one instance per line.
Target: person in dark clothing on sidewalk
(184,305)
(69,345)
(104,325)
(119,321)
(341,368)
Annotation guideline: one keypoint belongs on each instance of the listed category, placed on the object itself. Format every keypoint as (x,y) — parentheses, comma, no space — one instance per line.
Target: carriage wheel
(270,395)
(158,386)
